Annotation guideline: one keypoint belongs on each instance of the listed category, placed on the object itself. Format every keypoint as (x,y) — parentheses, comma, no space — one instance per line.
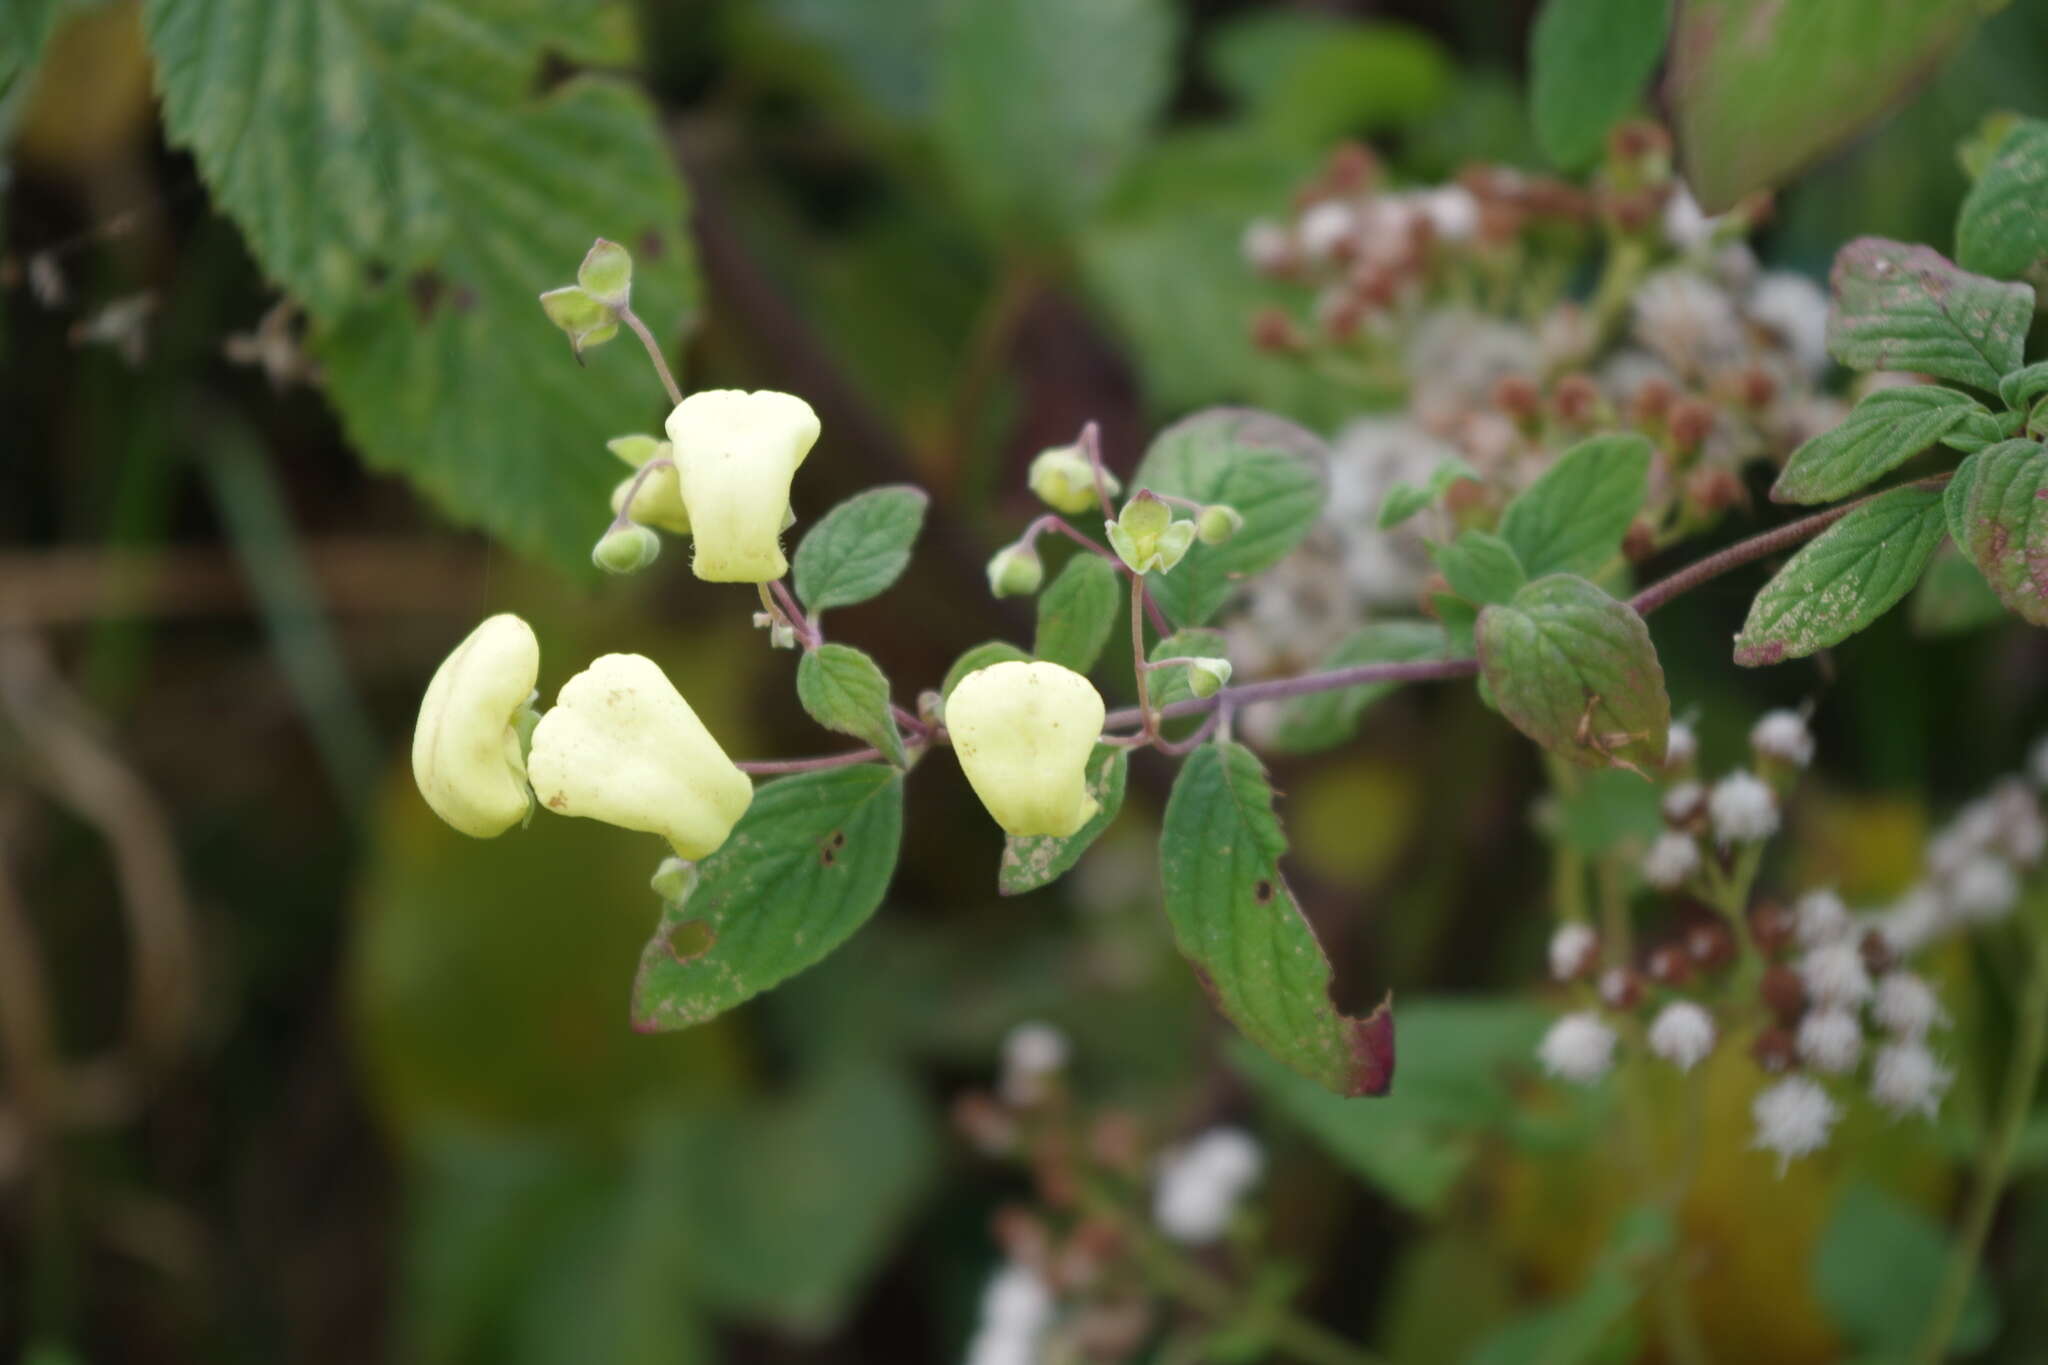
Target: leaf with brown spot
(1998,506)
(1901,307)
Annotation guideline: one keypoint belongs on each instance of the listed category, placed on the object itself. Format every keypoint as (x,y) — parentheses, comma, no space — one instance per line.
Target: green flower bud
(660,500)
(607,273)
(1023,733)
(735,454)
(1146,537)
(1064,480)
(1207,677)
(1218,522)
(468,755)
(626,549)
(1016,571)
(586,319)
(674,880)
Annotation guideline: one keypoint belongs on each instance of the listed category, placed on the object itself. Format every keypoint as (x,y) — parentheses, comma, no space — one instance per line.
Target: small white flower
(1032,1053)
(2020,833)
(1830,1040)
(1453,212)
(1683,801)
(1912,922)
(1571,951)
(1016,1308)
(1578,1048)
(1793,1118)
(1744,808)
(1783,735)
(1324,227)
(1796,309)
(1834,974)
(1907,1079)
(1671,860)
(1820,917)
(1682,1034)
(1686,226)
(1983,889)
(1200,1184)
(1681,745)
(1906,1005)
(1267,247)
(2037,762)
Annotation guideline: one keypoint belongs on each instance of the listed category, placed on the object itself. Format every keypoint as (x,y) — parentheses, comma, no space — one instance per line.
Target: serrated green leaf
(1574,670)
(1235,919)
(2001,515)
(1035,860)
(1901,307)
(1876,1270)
(979,657)
(804,868)
(1588,63)
(1573,518)
(25,26)
(1266,467)
(1880,433)
(1846,578)
(1169,685)
(2020,388)
(1041,103)
(859,548)
(1955,501)
(1480,568)
(1980,428)
(843,689)
(1325,719)
(1404,500)
(1952,597)
(1078,612)
(344,138)
(2002,229)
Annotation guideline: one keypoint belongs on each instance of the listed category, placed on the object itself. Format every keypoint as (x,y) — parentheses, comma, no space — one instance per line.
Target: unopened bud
(674,880)
(1690,420)
(1621,988)
(1217,523)
(1064,480)
(1576,399)
(626,549)
(607,273)
(587,319)
(1207,677)
(1669,965)
(1015,571)
(1711,945)
(1146,537)
(1272,330)
(1517,396)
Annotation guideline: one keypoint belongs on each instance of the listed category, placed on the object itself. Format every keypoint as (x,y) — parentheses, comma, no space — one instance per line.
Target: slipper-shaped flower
(465,747)
(622,746)
(735,455)
(1024,732)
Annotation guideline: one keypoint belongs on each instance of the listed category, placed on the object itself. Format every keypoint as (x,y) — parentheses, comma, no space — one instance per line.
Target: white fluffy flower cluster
(1975,865)
(1682,1034)
(1016,1308)
(1201,1183)
(1578,1048)
(1033,1056)
(1793,1119)
(1743,809)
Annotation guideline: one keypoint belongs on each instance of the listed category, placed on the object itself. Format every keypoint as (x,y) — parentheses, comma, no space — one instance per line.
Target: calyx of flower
(1024,732)
(735,455)
(1064,480)
(1146,537)
(466,744)
(1015,571)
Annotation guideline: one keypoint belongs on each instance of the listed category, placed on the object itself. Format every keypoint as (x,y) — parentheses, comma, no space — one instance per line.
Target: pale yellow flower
(465,745)
(735,455)
(1024,732)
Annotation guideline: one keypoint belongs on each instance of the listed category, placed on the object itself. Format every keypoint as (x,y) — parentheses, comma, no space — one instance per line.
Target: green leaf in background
(2003,227)
(1323,720)
(1606,810)
(1032,861)
(1170,685)
(1266,467)
(843,689)
(1846,578)
(1480,568)
(1594,1324)
(2002,510)
(1901,307)
(1458,1062)
(1235,919)
(1404,500)
(25,25)
(805,867)
(1588,63)
(1876,1269)
(981,656)
(1575,671)
(1759,88)
(343,138)
(1310,78)
(1078,611)
(1880,433)
(859,548)
(1573,518)
(1042,103)
(1952,597)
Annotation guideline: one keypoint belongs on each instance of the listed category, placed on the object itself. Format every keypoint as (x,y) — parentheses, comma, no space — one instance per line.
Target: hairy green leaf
(1404,500)
(2023,386)
(2001,515)
(1588,63)
(1078,611)
(979,657)
(1035,860)
(1845,579)
(2003,227)
(1575,671)
(804,868)
(345,139)
(1169,685)
(1323,720)
(1900,307)
(1480,568)
(1952,597)
(1572,519)
(859,548)
(1266,467)
(1235,919)
(1880,433)
(843,689)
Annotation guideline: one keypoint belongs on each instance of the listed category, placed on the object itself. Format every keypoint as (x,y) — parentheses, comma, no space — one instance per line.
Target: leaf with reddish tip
(1901,307)
(804,868)
(1575,671)
(1235,919)
(1999,510)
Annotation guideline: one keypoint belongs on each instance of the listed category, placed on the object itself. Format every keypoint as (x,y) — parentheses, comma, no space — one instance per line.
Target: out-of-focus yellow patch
(1867,847)
(90,98)
(1348,823)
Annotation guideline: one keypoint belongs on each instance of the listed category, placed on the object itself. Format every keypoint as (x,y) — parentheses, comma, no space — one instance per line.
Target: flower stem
(668,380)
(1147,721)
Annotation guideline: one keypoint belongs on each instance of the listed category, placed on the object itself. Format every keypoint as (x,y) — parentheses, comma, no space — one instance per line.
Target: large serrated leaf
(1573,518)
(1480,568)
(859,548)
(1574,670)
(1034,860)
(1235,919)
(1324,719)
(395,168)
(843,689)
(1880,433)
(2003,227)
(2001,516)
(804,868)
(1266,467)
(1588,63)
(1845,579)
(1077,612)
(1902,307)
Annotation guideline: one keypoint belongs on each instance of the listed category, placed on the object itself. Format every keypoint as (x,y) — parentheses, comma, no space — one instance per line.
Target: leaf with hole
(843,689)
(1575,671)
(1880,433)
(1901,307)
(1032,861)
(1078,611)
(1573,518)
(2000,518)
(859,548)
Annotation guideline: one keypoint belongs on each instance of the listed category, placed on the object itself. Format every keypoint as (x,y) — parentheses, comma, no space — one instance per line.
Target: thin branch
(668,380)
